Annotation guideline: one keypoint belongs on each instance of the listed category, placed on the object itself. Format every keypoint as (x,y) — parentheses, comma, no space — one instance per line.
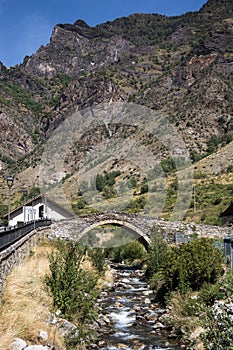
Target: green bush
(209,293)
(156,254)
(97,259)
(72,288)
(107,179)
(144,189)
(168,165)
(219,331)
(137,204)
(223,289)
(132,253)
(188,267)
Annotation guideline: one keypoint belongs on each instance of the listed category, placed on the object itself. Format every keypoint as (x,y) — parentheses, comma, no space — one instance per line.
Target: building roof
(228,211)
(44,199)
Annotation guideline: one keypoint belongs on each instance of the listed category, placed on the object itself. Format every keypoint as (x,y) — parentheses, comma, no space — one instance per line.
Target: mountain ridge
(180,66)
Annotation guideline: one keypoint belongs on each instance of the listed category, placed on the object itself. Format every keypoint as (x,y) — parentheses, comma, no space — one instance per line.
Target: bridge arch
(142,237)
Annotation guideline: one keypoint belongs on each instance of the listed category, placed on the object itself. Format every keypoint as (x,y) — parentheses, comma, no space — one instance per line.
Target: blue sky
(25,25)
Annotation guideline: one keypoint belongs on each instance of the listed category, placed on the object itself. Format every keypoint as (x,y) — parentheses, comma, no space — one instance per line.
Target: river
(132,320)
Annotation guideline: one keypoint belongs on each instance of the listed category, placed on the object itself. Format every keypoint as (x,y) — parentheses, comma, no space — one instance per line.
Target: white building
(38,208)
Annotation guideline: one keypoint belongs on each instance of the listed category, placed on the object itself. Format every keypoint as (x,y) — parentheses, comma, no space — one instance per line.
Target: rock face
(84,49)
(179,66)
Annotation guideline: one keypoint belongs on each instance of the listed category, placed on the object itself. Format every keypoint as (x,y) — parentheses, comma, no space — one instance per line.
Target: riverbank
(26,309)
(25,305)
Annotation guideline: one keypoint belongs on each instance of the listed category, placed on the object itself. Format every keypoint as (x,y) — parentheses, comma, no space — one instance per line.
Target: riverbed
(129,317)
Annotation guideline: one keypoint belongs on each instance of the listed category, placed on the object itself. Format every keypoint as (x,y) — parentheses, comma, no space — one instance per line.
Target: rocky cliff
(179,66)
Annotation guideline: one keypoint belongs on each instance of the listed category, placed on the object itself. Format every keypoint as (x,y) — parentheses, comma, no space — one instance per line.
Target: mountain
(181,67)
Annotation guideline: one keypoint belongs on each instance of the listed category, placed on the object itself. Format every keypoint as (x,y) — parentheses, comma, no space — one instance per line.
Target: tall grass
(24,311)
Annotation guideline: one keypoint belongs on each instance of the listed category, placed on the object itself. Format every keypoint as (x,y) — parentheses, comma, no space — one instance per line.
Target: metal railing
(10,235)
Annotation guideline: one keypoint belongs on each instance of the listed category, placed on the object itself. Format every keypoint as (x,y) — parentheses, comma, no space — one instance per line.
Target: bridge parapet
(142,225)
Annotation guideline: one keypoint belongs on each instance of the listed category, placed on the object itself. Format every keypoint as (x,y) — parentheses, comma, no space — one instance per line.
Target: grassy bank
(26,305)
(25,308)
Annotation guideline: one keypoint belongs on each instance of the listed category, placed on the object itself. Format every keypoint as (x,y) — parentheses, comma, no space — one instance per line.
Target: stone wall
(18,251)
(140,224)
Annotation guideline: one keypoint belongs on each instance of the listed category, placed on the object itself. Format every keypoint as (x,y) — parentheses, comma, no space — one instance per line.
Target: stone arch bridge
(141,225)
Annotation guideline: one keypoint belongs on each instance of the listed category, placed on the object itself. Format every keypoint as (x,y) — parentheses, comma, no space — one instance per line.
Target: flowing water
(133,316)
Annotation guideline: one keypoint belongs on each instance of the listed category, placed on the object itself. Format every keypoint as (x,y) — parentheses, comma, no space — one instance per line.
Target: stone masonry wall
(169,229)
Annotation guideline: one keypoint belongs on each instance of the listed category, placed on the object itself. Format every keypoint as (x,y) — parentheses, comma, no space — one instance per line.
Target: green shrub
(72,288)
(188,267)
(209,293)
(132,253)
(144,189)
(168,165)
(97,259)
(223,289)
(219,331)
(107,179)
(136,204)
(156,254)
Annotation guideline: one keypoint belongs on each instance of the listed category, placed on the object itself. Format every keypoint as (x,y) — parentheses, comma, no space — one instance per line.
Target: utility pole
(10,181)
(194,200)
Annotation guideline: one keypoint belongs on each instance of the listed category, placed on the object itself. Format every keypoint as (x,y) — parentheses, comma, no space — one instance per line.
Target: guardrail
(9,235)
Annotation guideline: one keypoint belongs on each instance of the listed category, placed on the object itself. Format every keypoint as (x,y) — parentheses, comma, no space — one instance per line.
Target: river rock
(36,347)
(66,328)
(230,309)
(43,335)
(103,321)
(101,343)
(147,301)
(100,322)
(137,308)
(125,280)
(117,304)
(94,325)
(139,345)
(161,311)
(107,320)
(158,325)
(53,319)
(108,285)
(18,344)
(151,317)
(147,292)
(122,346)
(140,318)
(121,285)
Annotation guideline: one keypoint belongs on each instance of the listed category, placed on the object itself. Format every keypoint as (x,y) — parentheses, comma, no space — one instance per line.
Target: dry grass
(183,320)
(25,306)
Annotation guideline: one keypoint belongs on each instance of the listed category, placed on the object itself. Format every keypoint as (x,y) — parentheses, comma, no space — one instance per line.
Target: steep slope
(179,66)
